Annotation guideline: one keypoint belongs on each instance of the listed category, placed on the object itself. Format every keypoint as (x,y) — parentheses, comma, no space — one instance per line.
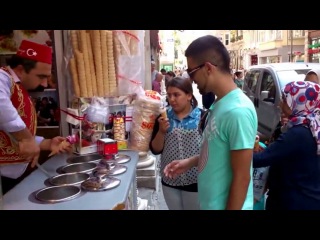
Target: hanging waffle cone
(116,51)
(81,73)
(105,67)
(121,39)
(91,62)
(97,55)
(111,64)
(84,50)
(75,78)
(74,40)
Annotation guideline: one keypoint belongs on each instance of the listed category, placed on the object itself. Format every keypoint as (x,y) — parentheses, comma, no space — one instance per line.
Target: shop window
(298,33)
(226,39)
(278,34)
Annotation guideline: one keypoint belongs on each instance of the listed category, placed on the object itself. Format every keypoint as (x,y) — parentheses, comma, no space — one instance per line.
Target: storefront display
(106,71)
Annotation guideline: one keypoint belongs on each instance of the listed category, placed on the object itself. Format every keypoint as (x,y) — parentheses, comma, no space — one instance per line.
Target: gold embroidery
(5,146)
(33,119)
(21,106)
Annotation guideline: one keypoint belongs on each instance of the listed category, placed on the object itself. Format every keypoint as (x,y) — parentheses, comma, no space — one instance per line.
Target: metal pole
(291,46)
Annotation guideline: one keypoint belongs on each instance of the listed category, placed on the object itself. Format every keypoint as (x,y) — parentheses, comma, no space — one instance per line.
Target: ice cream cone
(164,113)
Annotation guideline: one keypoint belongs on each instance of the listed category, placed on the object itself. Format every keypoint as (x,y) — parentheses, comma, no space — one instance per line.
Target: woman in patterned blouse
(177,137)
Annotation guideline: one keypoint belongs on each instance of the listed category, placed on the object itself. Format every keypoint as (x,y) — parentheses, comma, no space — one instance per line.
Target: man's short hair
(209,49)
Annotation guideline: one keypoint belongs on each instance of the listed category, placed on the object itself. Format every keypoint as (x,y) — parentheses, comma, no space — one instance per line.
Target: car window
(251,79)
(268,86)
(287,76)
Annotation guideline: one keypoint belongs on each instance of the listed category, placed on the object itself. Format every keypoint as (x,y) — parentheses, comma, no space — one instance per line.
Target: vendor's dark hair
(185,85)
(27,64)
(209,49)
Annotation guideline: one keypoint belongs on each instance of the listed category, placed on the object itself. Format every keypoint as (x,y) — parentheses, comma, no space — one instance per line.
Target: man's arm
(240,130)
(193,161)
(45,144)
(10,121)
(240,164)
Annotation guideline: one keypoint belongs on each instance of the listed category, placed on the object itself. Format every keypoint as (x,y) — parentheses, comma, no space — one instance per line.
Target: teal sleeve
(240,128)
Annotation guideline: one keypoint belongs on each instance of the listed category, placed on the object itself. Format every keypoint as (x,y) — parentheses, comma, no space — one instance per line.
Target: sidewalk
(154,196)
(155,201)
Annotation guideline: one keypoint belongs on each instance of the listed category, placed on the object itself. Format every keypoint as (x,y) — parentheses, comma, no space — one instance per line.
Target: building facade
(313,46)
(252,47)
(281,45)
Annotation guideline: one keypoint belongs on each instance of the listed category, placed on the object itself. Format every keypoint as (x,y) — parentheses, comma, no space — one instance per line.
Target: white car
(263,84)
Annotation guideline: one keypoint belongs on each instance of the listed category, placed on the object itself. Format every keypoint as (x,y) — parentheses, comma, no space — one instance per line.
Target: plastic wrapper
(260,176)
(98,111)
(145,111)
(130,60)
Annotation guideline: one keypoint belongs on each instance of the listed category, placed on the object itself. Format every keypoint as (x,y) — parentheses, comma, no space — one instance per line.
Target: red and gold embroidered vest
(21,101)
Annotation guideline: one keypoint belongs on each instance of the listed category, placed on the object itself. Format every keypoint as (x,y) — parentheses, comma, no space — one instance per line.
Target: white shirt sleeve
(10,121)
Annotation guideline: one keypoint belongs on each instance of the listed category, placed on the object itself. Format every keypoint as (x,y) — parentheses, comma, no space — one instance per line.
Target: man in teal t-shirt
(226,130)
(225,161)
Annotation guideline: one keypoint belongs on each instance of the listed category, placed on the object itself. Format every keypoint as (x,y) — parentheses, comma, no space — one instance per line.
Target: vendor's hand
(163,124)
(176,167)
(258,149)
(59,145)
(29,149)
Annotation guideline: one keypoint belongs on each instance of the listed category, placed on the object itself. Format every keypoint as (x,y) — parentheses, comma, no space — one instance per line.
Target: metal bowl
(122,158)
(115,170)
(57,194)
(79,167)
(102,183)
(86,158)
(68,179)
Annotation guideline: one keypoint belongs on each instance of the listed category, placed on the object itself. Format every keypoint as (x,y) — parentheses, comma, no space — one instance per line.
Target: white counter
(22,196)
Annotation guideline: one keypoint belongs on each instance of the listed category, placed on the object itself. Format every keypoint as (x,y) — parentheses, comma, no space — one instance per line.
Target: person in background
(29,68)
(208,99)
(185,75)
(177,137)
(163,71)
(238,80)
(153,71)
(169,76)
(225,161)
(156,83)
(294,173)
(313,76)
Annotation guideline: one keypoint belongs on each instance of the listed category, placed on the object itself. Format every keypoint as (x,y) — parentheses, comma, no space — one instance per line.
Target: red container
(107,146)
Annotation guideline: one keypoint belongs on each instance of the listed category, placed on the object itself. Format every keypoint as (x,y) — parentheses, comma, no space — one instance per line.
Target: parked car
(263,84)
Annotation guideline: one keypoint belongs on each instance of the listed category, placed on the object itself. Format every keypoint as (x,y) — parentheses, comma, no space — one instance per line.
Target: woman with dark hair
(177,137)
